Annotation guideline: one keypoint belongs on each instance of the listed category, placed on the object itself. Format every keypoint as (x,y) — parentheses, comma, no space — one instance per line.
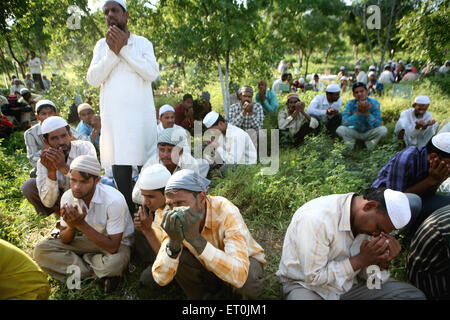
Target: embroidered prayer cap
(154,177)
(357,67)
(245,89)
(165,108)
(342,68)
(44,103)
(398,208)
(301,80)
(408,68)
(52,123)
(173,136)
(293,95)
(87,164)
(333,88)
(187,179)
(121,2)
(371,73)
(24,91)
(210,119)
(84,106)
(422,100)
(442,141)
(372,68)
(386,66)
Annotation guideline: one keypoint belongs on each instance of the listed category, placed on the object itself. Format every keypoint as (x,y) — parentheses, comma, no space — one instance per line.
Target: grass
(320,167)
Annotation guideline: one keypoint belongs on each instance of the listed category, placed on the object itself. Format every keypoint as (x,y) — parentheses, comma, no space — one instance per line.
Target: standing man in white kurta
(124,65)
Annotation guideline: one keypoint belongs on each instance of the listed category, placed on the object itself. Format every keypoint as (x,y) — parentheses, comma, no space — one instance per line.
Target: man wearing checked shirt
(361,119)
(207,247)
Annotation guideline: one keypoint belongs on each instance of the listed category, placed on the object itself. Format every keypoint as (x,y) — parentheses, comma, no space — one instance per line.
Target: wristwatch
(171,254)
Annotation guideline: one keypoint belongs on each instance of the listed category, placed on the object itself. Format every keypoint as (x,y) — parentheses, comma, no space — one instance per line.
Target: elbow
(113,250)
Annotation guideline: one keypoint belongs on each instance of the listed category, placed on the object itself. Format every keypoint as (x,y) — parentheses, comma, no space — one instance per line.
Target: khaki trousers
(54,257)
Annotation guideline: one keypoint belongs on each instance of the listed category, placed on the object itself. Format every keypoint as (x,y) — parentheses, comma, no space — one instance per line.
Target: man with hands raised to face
(124,66)
(332,240)
(362,119)
(44,191)
(96,229)
(295,120)
(420,171)
(207,247)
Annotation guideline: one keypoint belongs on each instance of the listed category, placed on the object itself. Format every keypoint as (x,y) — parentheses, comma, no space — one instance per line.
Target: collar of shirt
(344,223)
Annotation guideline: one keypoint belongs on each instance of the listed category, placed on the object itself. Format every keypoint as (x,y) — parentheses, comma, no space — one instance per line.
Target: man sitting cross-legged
(44,191)
(334,243)
(207,247)
(96,229)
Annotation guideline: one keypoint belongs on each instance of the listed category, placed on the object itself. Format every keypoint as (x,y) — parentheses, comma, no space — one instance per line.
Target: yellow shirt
(20,276)
(227,252)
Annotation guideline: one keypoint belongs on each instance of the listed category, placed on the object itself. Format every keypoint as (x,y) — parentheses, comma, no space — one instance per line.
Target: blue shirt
(362,123)
(270,104)
(405,169)
(86,130)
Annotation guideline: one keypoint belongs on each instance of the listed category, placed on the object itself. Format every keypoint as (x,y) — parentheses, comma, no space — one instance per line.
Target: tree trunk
(328,53)
(222,85)
(300,60)
(367,33)
(227,79)
(307,63)
(4,63)
(388,35)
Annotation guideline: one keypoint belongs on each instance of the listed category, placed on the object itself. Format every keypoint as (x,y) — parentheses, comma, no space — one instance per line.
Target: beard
(119,25)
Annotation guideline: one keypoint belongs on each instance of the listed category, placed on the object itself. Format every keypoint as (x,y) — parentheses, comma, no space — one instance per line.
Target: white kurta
(129,135)
(414,137)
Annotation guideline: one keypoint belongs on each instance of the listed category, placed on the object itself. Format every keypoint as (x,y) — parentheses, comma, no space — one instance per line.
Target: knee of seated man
(27,187)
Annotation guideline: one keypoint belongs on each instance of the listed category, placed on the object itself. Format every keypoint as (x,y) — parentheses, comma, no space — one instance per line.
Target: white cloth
(319,106)
(414,137)
(16,88)
(35,65)
(362,77)
(317,87)
(186,161)
(49,189)
(108,212)
(285,121)
(238,147)
(160,128)
(127,109)
(276,86)
(444,69)
(318,245)
(386,77)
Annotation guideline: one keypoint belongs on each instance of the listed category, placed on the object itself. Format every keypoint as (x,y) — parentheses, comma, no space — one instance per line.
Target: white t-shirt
(108,212)
(35,65)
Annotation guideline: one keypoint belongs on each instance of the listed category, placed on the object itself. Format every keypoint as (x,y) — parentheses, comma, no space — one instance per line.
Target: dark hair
(220,118)
(86,175)
(187,96)
(357,85)
(431,148)
(284,76)
(376,194)
(46,134)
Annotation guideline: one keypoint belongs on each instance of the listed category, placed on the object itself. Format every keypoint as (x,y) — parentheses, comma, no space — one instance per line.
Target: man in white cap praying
(335,243)
(409,75)
(344,84)
(34,139)
(44,191)
(326,108)
(174,154)
(148,234)
(295,122)
(124,66)
(420,171)
(96,229)
(342,73)
(29,98)
(207,247)
(16,87)
(167,118)
(232,145)
(416,125)
(90,124)
(444,69)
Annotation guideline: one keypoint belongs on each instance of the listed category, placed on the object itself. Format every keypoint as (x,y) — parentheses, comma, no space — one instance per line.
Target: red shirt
(181,120)
(4,122)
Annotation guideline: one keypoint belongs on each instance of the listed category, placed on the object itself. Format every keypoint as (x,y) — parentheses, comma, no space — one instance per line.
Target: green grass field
(321,166)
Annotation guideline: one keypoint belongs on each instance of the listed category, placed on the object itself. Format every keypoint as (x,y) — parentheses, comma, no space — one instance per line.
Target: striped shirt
(362,123)
(246,122)
(229,246)
(405,169)
(318,246)
(428,260)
